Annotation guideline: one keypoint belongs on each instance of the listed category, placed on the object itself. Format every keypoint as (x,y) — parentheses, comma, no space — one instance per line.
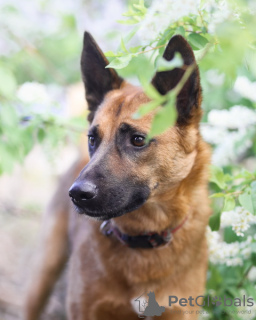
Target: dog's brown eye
(91,140)
(138,141)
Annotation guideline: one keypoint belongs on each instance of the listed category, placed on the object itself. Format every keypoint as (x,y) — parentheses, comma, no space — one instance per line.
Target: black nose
(82,191)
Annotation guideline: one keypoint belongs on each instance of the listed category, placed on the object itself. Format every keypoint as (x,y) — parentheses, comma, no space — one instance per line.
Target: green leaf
(245,199)
(139,66)
(164,65)
(253,195)
(214,221)
(217,176)
(230,51)
(41,134)
(131,34)
(253,258)
(137,15)
(214,280)
(134,49)
(8,82)
(230,236)
(123,47)
(140,7)
(180,30)
(8,117)
(199,54)
(69,21)
(164,119)
(120,62)
(145,109)
(129,21)
(245,174)
(111,54)
(229,203)
(197,40)
(217,195)
(151,92)
(250,289)
(6,160)
(253,247)
(232,290)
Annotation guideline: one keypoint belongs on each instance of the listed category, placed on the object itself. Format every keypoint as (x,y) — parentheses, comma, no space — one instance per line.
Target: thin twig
(184,79)
(201,16)
(64,126)
(188,72)
(32,50)
(163,45)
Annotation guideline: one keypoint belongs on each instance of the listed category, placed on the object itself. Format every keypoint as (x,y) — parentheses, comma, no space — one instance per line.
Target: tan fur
(104,275)
(124,273)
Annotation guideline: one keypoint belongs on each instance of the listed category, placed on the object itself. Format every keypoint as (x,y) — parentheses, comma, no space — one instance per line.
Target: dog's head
(124,170)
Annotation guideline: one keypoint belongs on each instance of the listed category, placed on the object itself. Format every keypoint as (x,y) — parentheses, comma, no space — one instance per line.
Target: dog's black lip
(106,215)
(98,214)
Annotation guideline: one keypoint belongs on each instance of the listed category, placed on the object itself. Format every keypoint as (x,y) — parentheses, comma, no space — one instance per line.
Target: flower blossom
(245,88)
(163,13)
(229,130)
(230,254)
(239,218)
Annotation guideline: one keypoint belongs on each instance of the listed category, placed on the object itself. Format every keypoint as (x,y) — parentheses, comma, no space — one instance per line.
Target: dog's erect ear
(97,79)
(189,96)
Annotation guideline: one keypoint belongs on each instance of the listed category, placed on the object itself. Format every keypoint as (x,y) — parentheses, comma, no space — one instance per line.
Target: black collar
(145,240)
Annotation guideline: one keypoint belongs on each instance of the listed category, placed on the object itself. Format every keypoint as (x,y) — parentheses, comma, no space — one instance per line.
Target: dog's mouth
(98,215)
(105,212)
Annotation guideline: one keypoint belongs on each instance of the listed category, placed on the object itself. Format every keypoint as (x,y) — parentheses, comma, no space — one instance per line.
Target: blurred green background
(43,112)
(42,120)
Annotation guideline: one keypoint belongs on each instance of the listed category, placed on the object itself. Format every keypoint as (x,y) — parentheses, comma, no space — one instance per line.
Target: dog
(148,201)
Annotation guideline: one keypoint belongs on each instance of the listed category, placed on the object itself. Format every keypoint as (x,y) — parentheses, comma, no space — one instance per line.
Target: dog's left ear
(97,79)
(189,98)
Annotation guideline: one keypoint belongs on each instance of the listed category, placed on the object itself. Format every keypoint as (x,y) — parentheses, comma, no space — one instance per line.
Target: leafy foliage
(223,37)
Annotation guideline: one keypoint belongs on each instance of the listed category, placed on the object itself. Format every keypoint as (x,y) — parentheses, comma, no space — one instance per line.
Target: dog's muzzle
(80,193)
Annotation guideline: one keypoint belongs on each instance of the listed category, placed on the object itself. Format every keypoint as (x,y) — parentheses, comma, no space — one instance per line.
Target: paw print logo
(216,301)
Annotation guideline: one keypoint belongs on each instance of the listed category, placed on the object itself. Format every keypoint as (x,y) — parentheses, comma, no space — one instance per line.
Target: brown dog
(153,195)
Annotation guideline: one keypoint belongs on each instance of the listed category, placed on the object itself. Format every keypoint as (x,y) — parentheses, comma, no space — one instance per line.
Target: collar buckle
(105,228)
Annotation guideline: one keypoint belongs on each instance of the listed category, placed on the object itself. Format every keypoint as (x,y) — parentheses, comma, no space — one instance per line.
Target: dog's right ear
(189,98)
(97,79)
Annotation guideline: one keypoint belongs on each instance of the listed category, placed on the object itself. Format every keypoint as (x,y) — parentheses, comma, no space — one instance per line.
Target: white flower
(162,13)
(252,274)
(214,77)
(42,99)
(245,88)
(234,118)
(246,253)
(33,92)
(212,134)
(219,12)
(229,144)
(252,6)
(239,218)
(247,313)
(230,254)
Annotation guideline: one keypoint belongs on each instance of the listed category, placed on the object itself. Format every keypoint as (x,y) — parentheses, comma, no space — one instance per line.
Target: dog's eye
(138,141)
(91,140)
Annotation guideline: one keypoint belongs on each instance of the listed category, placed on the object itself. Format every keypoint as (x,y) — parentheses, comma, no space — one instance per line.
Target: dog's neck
(155,216)
(146,240)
